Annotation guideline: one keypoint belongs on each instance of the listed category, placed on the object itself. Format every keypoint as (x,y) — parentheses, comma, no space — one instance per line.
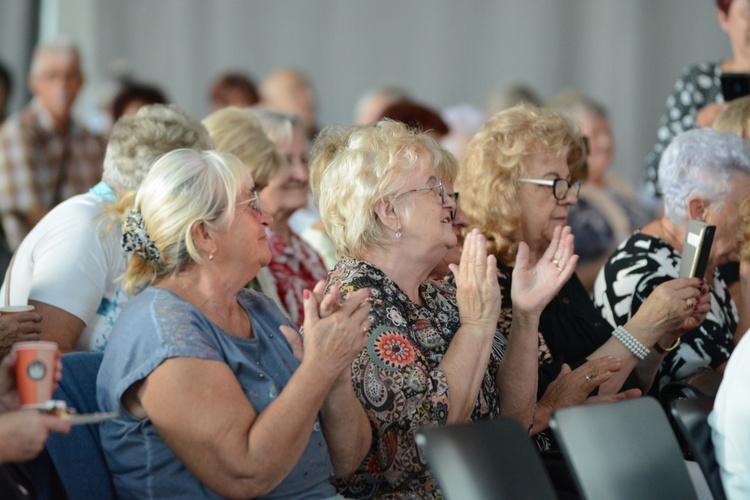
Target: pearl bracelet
(639,350)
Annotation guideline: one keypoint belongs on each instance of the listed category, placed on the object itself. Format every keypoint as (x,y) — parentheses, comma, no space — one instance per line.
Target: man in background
(45,157)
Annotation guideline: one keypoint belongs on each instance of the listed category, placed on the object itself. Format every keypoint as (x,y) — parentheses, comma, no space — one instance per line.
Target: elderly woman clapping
(518,171)
(704,175)
(207,386)
(429,359)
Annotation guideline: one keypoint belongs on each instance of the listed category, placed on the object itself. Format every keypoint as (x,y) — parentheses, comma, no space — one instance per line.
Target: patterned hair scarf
(136,239)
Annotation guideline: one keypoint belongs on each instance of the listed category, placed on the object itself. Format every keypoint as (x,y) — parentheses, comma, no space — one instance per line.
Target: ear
(723,20)
(203,237)
(697,208)
(386,212)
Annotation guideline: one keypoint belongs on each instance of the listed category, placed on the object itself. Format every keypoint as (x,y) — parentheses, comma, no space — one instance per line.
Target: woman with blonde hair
(429,358)
(272,145)
(518,170)
(208,388)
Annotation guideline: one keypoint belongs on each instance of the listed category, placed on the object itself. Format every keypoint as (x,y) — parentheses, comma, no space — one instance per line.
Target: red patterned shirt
(295,267)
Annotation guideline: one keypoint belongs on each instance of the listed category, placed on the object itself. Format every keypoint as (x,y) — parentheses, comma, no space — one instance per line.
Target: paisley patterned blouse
(640,264)
(399,383)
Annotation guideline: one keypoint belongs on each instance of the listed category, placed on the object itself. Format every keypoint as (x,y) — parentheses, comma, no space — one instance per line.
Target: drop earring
(398,231)
(211,256)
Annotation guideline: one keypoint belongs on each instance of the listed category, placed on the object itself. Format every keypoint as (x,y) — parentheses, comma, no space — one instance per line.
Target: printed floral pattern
(399,383)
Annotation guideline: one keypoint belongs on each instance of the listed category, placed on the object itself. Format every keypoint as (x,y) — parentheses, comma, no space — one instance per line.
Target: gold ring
(688,304)
(559,268)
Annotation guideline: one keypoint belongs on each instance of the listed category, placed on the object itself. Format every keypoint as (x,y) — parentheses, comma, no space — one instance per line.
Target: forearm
(231,448)
(465,364)
(613,347)
(519,372)
(345,426)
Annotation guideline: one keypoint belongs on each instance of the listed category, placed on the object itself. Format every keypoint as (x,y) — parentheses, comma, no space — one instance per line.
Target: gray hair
(700,162)
(278,126)
(137,141)
(60,47)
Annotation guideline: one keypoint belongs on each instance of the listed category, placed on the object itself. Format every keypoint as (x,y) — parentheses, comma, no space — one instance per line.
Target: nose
(571,198)
(265,218)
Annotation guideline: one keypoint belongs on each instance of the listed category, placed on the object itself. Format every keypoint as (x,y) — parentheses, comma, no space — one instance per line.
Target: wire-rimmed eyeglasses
(254,203)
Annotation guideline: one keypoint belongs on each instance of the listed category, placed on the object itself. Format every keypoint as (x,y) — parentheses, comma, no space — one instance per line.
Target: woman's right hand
(335,332)
(477,289)
(24,432)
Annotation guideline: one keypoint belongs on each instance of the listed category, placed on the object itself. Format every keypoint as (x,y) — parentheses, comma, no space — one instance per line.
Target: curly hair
(137,141)
(498,156)
(352,169)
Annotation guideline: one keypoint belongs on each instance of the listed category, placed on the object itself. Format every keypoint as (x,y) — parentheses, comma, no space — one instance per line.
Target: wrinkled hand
(534,286)
(611,398)
(572,388)
(24,432)
(477,289)
(18,327)
(674,307)
(334,332)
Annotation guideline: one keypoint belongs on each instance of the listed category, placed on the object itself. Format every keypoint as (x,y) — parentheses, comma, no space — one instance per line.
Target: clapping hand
(335,332)
(535,285)
(477,289)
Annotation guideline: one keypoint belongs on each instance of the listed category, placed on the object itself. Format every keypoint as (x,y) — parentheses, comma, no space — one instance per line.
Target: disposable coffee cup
(8,310)
(35,371)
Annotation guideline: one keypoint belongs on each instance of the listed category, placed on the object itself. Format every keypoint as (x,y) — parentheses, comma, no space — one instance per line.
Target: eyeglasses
(254,203)
(455,199)
(560,187)
(438,186)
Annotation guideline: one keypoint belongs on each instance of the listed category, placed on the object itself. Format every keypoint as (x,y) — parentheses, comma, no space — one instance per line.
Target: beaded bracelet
(639,350)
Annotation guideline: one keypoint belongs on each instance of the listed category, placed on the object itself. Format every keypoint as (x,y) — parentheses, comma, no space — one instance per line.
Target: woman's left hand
(534,286)
(329,321)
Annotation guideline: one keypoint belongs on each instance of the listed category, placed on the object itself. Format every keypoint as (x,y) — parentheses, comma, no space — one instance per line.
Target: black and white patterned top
(638,266)
(699,85)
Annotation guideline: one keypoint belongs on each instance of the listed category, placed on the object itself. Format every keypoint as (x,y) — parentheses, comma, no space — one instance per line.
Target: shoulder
(708,68)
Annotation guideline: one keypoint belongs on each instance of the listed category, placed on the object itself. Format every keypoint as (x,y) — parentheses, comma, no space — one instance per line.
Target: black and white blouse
(638,266)
(699,84)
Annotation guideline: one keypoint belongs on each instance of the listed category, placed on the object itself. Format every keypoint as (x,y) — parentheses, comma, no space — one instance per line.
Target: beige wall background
(625,54)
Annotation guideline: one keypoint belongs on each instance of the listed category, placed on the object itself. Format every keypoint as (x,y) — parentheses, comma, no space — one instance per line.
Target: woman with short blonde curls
(429,359)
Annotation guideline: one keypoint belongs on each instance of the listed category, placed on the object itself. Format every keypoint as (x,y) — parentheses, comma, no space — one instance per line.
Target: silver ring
(590,376)
(556,262)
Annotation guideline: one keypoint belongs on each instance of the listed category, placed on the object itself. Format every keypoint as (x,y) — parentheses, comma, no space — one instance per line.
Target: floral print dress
(398,380)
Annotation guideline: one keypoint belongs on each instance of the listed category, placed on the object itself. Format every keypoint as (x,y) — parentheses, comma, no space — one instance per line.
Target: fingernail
(306,294)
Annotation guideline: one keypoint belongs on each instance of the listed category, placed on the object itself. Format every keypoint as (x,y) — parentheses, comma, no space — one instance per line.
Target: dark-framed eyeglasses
(254,203)
(560,187)
(455,199)
(439,186)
